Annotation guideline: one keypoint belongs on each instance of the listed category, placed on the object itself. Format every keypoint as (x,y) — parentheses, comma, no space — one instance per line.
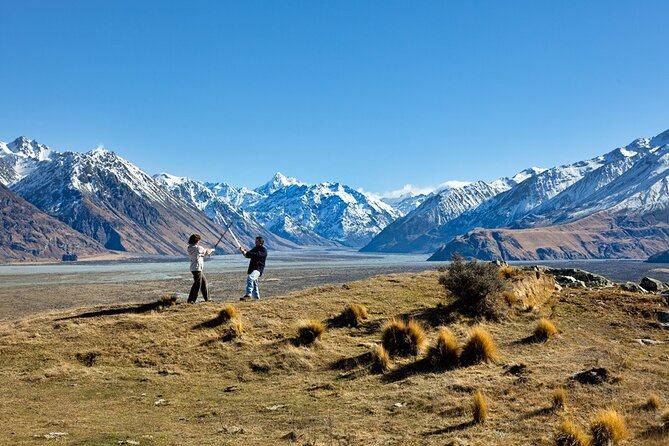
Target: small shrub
(653,403)
(480,347)
(309,331)
(559,398)
(446,352)
(568,434)
(508,272)
(352,315)
(380,362)
(608,428)
(475,285)
(479,407)
(227,313)
(544,330)
(402,339)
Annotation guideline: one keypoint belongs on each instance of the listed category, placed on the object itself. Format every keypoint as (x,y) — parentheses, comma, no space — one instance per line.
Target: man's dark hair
(261,240)
(193,239)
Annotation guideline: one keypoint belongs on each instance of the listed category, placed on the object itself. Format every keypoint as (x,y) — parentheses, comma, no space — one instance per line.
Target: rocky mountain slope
(30,234)
(218,209)
(112,201)
(627,188)
(419,230)
(323,214)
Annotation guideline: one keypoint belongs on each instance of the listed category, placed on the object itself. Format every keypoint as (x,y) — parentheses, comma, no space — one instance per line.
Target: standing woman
(197,254)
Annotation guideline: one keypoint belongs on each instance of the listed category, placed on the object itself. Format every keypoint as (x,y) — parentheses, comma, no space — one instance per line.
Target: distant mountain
(627,188)
(30,234)
(218,209)
(418,231)
(20,157)
(598,236)
(114,202)
(326,214)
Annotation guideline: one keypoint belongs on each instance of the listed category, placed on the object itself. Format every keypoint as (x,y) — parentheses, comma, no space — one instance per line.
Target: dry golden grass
(352,315)
(236,327)
(509,272)
(227,312)
(309,331)
(445,354)
(568,434)
(164,377)
(168,299)
(510,298)
(652,403)
(479,407)
(402,339)
(664,419)
(480,347)
(608,428)
(544,330)
(380,362)
(559,398)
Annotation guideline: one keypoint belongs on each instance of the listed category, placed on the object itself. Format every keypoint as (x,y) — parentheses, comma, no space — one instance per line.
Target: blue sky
(375,94)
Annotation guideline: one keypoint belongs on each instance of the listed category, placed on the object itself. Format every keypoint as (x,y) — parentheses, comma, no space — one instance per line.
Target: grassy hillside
(183,376)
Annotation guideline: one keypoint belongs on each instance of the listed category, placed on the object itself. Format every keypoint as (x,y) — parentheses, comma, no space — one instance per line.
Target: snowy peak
(277,182)
(27,148)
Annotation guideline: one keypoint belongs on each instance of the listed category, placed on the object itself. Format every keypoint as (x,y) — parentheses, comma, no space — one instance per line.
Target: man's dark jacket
(257,255)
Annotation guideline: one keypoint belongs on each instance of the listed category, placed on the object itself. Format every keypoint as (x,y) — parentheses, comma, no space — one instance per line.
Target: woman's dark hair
(193,239)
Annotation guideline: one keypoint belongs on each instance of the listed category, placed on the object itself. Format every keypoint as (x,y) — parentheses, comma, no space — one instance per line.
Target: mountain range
(611,206)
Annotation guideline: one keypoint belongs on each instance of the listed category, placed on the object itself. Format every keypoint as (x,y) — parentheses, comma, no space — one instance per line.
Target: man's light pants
(252,284)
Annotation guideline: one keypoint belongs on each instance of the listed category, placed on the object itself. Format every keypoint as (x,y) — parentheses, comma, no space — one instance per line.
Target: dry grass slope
(162,376)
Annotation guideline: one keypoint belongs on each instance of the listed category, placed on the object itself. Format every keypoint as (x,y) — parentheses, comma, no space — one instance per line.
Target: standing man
(256,266)
(197,254)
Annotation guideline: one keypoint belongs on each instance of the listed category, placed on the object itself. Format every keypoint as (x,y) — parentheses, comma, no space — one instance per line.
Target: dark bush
(476,285)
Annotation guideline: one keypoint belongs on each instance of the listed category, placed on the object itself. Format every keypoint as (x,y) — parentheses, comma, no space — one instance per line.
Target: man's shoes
(247,297)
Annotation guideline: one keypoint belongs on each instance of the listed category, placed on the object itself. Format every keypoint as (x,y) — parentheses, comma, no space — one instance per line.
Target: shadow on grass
(542,411)
(424,365)
(135,309)
(212,323)
(348,364)
(447,430)
(655,432)
(436,316)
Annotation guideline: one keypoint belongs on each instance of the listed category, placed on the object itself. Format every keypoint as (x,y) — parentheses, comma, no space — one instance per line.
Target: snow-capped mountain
(218,209)
(113,201)
(20,157)
(628,188)
(418,230)
(323,214)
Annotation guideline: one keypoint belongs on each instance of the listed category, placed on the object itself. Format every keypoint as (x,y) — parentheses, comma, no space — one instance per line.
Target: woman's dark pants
(199,284)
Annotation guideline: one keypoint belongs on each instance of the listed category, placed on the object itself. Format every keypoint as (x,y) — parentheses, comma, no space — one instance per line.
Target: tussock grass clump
(309,331)
(653,403)
(607,428)
(510,298)
(480,347)
(235,329)
(568,434)
(559,398)
(479,407)
(508,272)
(380,360)
(352,316)
(544,330)
(446,351)
(402,339)
(664,419)
(476,285)
(167,299)
(227,313)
